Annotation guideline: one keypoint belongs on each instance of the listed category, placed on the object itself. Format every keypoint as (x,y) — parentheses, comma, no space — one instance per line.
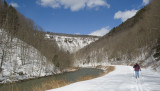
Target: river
(68,76)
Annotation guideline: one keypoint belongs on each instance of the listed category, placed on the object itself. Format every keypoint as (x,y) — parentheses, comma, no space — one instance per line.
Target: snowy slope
(71,43)
(121,79)
(21,61)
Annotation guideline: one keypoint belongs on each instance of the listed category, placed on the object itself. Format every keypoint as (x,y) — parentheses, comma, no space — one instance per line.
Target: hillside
(135,40)
(21,61)
(18,26)
(24,51)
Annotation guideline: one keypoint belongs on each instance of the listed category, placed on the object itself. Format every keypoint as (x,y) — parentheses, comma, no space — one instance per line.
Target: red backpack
(136,67)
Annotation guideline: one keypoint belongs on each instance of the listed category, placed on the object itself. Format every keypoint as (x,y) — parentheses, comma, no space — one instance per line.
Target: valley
(29,55)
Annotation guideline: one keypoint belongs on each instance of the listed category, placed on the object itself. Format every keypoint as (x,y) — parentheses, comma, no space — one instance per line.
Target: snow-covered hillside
(145,58)
(71,43)
(122,79)
(21,61)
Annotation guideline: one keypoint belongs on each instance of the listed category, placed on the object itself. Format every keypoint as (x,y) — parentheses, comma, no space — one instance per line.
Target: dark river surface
(68,76)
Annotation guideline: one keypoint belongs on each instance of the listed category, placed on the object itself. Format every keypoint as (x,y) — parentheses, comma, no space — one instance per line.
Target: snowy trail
(122,79)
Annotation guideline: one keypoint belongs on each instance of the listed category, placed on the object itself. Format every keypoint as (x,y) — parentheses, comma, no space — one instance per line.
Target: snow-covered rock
(71,43)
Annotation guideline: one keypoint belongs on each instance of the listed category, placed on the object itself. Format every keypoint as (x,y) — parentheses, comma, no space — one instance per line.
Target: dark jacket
(136,67)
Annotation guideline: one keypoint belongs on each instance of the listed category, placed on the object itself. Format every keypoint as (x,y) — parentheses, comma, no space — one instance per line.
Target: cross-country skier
(137,69)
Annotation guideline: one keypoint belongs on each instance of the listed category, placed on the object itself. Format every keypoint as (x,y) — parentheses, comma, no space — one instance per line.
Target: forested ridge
(134,40)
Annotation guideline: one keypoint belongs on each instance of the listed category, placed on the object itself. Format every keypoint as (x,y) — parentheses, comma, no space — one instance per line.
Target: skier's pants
(137,74)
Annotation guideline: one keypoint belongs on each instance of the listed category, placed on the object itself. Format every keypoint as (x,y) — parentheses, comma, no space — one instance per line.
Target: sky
(84,17)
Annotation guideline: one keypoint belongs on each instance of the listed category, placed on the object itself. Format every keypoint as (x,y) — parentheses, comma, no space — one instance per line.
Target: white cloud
(95,3)
(77,33)
(14,4)
(125,15)
(145,2)
(101,32)
(73,5)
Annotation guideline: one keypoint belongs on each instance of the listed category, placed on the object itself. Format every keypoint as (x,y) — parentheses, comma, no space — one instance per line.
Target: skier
(137,69)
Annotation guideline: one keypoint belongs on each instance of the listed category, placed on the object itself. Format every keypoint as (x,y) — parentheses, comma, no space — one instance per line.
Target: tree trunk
(3,55)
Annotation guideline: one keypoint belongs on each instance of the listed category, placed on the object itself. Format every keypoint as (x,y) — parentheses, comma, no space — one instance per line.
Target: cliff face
(71,43)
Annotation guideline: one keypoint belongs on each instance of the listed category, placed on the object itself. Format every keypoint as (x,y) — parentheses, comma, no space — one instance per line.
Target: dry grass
(51,84)
(11,88)
(85,78)
(108,70)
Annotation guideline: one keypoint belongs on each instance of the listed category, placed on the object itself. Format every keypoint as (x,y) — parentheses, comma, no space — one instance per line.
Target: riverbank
(33,78)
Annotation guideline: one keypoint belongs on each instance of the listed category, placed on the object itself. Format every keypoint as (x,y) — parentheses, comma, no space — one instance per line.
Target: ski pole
(141,76)
(133,73)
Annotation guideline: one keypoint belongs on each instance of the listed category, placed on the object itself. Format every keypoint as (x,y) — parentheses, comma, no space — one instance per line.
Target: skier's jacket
(136,67)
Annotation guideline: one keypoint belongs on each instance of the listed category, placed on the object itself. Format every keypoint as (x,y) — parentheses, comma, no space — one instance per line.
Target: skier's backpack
(136,67)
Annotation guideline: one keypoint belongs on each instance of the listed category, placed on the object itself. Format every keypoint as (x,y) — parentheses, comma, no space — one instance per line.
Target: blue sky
(86,17)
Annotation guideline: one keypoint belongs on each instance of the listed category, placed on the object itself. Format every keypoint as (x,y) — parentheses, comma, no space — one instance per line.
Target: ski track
(122,79)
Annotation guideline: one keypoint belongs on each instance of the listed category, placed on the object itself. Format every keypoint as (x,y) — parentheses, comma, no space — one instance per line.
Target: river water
(68,76)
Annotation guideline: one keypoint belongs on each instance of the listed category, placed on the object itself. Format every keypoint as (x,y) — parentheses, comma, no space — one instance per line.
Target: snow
(122,79)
